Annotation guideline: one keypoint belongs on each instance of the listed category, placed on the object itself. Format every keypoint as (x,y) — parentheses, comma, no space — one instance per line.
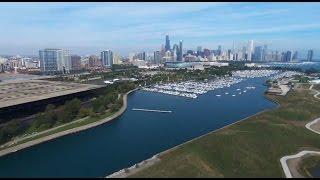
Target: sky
(88,28)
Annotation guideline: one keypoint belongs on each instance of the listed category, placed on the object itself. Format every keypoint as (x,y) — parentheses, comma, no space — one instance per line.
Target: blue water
(136,135)
(315,172)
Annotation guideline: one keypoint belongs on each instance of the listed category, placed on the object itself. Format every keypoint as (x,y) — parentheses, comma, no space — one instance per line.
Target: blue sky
(88,28)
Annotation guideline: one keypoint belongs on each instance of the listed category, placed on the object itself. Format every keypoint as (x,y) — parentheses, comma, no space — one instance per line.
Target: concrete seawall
(69,131)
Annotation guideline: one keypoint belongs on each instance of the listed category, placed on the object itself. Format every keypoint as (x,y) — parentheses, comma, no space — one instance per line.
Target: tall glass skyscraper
(54,60)
(107,58)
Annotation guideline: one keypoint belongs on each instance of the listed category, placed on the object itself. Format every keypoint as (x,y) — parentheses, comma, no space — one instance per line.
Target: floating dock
(151,110)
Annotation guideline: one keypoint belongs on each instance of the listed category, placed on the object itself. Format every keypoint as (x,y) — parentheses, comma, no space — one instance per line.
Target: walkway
(284,159)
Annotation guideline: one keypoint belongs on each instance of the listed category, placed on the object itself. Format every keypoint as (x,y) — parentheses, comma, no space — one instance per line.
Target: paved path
(285,159)
(66,132)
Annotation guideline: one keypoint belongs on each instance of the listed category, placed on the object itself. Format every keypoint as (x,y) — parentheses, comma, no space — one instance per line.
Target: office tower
(167,46)
(295,56)
(180,53)
(250,49)
(257,56)
(131,56)
(288,56)
(142,56)
(265,53)
(156,57)
(94,61)
(52,60)
(75,62)
(229,54)
(107,58)
(219,50)
(310,55)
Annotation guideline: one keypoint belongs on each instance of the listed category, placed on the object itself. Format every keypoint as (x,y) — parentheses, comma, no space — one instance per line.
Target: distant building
(249,50)
(52,60)
(75,62)
(116,58)
(310,55)
(94,62)
(180,53)
(258,53)
(288,56)
(295,56)
(107,58)
(167,46)
(156,57)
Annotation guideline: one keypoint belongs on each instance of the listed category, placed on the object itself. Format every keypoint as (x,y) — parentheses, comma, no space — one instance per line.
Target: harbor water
(137,135)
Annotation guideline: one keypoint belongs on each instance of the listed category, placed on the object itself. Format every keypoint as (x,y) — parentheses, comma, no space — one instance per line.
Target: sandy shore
(66,132)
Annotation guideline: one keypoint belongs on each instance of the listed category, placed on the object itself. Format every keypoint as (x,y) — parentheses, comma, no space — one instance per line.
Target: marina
(192,89)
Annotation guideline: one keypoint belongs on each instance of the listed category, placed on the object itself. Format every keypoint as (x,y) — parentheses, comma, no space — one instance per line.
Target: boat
(233,95)
(226,93)
(218,95)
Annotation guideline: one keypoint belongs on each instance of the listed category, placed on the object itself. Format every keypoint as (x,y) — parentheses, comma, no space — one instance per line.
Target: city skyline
(92,27)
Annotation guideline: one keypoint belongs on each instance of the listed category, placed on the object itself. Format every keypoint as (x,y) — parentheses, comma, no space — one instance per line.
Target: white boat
(238,89)
(218,95)
(233,95)
(226,93)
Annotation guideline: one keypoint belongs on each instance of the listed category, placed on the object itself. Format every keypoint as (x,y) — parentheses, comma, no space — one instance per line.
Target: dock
(151,110)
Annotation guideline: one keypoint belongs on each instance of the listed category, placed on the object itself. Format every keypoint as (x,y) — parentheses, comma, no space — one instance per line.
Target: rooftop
(24,91)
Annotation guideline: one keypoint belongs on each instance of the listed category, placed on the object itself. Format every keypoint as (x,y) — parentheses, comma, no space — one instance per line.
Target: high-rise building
(219,50)
(167,46)
(249,50)
(107,58)
(75,62)
(295,56)
(142,56)
(156,57)
(310,55)
(258,53)
(180,54)
(265,53)
(52,60)
(288,56)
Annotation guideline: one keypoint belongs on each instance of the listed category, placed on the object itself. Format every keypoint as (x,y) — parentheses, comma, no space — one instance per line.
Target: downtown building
(55,60)
(107,58)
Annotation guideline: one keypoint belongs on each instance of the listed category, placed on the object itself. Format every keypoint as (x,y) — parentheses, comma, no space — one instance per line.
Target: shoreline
(68,131)
(155,158)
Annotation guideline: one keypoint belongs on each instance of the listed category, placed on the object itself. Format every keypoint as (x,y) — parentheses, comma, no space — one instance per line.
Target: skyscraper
(288,56)
(156,57)
(219,50)
(310,55)
(258,53)
(180,54)
(250,49)
(167,46)
(295,56)
(54,60)
(107,58)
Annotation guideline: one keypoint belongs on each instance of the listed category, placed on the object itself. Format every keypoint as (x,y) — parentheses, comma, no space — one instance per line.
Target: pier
(151,110)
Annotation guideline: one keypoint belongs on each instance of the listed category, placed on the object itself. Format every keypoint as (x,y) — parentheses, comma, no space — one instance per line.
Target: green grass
(251,148)
(70,126)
